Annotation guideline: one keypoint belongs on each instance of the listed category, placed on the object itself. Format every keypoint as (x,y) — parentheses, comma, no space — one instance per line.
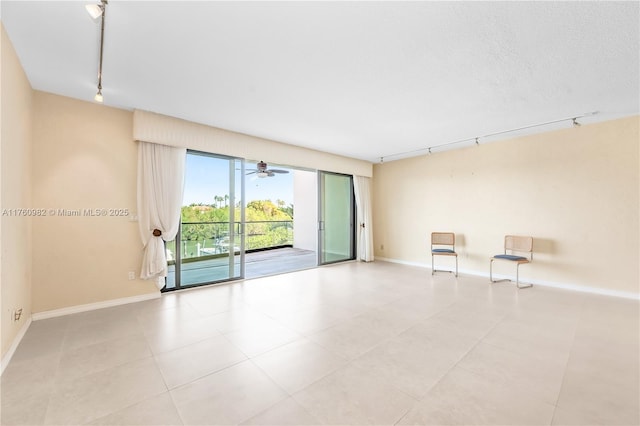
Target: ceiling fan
(262,171)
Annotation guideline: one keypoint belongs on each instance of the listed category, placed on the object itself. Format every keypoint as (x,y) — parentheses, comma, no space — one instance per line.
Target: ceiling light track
(99,11)
(573,119)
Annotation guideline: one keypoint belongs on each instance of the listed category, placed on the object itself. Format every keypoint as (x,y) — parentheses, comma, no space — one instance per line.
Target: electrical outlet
(132,275)
(17,314)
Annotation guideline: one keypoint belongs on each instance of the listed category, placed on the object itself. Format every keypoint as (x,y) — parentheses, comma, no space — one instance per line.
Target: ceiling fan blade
(278,171)
(252,172)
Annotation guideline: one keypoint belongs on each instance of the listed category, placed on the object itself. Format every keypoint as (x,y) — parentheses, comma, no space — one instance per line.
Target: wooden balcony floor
(257,264)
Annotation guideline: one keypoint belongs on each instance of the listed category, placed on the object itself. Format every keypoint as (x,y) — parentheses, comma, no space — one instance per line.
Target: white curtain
(362,192)
(160,185)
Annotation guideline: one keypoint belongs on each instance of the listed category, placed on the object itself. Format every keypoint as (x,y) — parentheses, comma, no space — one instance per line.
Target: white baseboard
(544,283)
(93,306)
(404,262)
(12,349)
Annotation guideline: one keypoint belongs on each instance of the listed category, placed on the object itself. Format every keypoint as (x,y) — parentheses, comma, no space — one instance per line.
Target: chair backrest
(443,239)
(518,244)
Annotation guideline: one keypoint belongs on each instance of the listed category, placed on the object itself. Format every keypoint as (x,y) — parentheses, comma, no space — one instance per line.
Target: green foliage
(208,225)
(265,210)
(277,236)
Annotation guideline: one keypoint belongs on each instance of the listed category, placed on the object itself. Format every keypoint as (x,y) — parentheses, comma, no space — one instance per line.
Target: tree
(288,210)
(269,225)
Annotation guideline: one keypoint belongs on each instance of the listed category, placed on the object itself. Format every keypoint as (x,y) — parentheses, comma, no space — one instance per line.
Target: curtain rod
(546,123)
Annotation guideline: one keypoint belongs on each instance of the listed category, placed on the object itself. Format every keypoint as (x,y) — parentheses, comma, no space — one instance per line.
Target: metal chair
(514,245)
(443,239)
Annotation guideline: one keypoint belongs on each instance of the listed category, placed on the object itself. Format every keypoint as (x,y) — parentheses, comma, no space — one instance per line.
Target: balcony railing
(211,239)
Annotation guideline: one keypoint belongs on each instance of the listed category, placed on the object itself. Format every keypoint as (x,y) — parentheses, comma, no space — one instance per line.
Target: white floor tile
(262,337)
(192,362)
(230,396)
(158,410)
(96,395)
(180,334)
(464,398)
(286,413)
(298,364)
(350,396)
(354,343)
(90,359)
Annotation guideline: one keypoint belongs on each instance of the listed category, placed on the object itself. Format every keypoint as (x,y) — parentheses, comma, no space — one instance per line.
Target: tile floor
(346,344)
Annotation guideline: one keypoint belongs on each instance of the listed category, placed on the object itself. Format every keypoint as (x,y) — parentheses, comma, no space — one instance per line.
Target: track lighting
(96,11)
(574,120)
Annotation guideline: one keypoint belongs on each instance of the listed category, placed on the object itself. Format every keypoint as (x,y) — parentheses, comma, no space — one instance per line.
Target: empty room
(309,213)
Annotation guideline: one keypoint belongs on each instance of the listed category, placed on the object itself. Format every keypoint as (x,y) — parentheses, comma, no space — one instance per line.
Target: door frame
(236,170)
(322,219)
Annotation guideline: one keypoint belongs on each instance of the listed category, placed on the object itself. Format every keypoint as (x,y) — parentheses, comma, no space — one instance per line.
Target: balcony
(205,251)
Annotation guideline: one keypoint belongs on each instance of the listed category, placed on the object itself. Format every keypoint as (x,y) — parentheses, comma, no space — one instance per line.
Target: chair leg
(491,274)
(434,270)
(456,265)
(518,278)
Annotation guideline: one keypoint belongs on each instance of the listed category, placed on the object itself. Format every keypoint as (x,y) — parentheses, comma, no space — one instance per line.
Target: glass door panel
(336,218)
(209,244)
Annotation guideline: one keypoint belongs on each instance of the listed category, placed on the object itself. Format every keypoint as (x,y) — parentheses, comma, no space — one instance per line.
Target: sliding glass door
(209,246)
(335,218)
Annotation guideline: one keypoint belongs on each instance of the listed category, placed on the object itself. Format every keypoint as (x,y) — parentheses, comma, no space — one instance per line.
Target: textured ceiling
(365,80)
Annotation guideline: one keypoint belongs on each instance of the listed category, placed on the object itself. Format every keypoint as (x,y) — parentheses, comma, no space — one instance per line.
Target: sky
(206,177)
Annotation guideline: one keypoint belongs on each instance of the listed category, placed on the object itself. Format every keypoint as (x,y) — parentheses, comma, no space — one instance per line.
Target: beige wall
(576,191)
(15,231)
(83,158)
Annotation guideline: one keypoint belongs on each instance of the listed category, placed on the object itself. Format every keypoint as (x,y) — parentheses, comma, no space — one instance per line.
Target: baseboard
(403,262)
(12,349)
(563,286)
(93,306)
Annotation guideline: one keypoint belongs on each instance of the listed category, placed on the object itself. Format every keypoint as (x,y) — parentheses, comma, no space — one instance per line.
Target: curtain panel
(362,193)
(160,186)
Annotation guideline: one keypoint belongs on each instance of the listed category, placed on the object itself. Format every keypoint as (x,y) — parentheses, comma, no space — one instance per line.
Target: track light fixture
(574,121)
(99,11)
(95,10)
